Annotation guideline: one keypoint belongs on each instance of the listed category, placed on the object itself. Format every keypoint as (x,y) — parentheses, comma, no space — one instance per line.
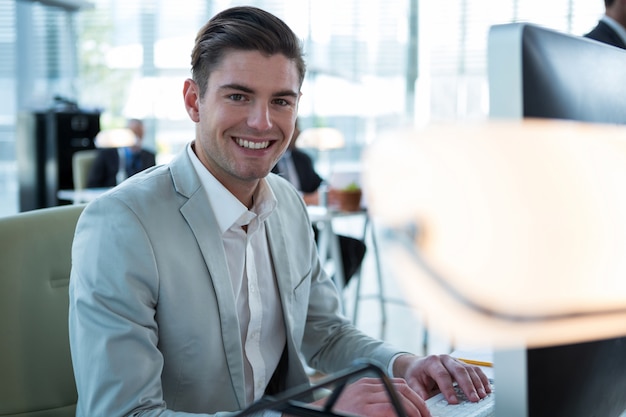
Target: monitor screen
(540,73)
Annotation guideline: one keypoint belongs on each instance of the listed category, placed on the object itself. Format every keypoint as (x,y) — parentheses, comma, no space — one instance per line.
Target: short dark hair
(608,3)
(242,28)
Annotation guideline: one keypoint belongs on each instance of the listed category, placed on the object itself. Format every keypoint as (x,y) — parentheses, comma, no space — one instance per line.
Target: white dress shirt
(261,323)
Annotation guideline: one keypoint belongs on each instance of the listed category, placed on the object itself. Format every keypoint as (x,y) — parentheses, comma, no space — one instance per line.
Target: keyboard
(439,406)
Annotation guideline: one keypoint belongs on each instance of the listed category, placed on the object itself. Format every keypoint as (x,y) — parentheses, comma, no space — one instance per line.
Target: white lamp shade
(322,138)
(521,227)
(115,138)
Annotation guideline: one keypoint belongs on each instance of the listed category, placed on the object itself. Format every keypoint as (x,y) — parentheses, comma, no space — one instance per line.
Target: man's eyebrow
(245,89)
(288,93)
(239,87)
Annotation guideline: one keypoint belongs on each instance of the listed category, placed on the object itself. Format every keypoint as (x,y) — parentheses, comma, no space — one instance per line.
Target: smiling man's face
(246,117)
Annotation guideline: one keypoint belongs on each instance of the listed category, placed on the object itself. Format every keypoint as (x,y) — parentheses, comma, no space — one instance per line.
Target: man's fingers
(472,381)
(370,397)
(413,403)
(440,371)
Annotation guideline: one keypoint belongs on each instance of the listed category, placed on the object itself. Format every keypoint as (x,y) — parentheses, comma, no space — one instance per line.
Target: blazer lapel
(202,222)
(278,249)
(295,373)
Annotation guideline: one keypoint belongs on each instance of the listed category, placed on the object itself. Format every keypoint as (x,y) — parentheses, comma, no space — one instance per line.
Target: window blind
(454,39)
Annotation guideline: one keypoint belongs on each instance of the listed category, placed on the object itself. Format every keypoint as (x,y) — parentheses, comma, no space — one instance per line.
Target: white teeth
(253,145)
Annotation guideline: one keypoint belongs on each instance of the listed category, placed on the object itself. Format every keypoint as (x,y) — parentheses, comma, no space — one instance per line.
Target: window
(130,57)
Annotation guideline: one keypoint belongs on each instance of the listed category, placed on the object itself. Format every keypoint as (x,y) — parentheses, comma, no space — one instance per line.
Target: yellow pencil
(475,362)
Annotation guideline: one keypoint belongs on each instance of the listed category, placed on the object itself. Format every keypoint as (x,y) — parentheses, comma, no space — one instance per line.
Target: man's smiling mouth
(252,145)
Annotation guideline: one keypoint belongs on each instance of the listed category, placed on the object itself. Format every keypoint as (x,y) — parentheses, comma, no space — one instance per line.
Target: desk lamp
(115,138)
(506,233)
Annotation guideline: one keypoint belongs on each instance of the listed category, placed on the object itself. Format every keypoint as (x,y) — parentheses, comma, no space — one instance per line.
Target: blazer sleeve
(328,340)
(331,342)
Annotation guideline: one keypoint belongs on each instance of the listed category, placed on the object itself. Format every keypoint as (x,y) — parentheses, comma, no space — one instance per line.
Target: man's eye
(236,97)
(281,102)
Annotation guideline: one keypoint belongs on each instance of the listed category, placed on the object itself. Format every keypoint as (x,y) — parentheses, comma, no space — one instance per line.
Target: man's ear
(191,95)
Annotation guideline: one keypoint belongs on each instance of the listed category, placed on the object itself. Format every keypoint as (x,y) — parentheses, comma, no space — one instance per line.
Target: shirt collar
(619,29)
(228,210)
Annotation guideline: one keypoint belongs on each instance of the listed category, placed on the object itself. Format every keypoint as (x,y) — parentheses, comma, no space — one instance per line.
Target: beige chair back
(81,165)
(36,377)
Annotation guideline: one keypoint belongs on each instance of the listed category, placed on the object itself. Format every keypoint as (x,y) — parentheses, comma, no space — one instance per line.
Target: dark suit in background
(310,181)
(605,33)
(107,165)
(352,250)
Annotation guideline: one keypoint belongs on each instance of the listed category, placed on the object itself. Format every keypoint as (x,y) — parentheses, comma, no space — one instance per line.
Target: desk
(328,241)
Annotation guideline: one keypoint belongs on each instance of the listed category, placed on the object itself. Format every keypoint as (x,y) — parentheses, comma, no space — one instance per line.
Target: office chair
(36,376)
(81,166)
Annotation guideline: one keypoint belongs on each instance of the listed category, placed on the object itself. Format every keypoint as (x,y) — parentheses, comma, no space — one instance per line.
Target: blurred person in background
(296,166)
(611,29)
(114,165)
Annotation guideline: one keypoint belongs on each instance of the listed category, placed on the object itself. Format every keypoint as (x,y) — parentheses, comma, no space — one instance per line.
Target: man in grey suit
(611,29)
(196,285)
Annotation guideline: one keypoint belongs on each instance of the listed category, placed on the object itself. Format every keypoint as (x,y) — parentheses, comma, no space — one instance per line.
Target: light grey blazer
(153,327)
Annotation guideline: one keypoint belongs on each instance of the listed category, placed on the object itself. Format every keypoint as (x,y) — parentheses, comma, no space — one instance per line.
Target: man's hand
(430,374)
(368,397)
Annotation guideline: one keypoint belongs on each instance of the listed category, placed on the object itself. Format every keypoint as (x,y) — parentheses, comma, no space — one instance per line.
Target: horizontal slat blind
(454,36)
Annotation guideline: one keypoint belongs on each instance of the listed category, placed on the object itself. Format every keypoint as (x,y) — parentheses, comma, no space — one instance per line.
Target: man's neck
(241,189)
(617,14)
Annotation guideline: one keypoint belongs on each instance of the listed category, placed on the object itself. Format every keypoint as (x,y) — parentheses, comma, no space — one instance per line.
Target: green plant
(353,186)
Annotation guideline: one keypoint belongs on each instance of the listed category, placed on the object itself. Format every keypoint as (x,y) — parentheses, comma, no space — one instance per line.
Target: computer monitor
(540,73)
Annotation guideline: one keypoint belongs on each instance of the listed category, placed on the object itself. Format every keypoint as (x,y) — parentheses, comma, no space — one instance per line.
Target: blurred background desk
(328,241)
